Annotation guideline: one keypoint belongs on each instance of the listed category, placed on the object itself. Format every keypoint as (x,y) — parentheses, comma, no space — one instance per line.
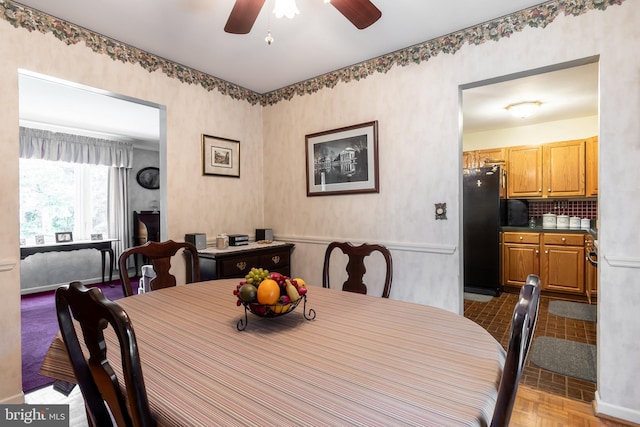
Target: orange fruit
(268,292)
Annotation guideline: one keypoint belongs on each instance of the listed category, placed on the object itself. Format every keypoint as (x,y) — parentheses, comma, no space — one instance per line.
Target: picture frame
(96,236)
(64,237)
(343,161)
(39,238)
(220,156)
(149,178)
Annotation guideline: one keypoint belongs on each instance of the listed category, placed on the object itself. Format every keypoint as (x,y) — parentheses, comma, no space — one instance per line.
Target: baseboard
(54,286)
(616,413)
(16,399)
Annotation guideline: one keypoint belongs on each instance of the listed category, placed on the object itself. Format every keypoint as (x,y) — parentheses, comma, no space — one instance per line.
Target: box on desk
(199,240)
(238,239)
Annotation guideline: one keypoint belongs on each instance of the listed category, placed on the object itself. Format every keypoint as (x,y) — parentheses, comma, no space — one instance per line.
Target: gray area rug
(573,310)
(565,357)
(477,297)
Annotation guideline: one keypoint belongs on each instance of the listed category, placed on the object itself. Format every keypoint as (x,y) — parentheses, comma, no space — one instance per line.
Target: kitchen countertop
(539,229)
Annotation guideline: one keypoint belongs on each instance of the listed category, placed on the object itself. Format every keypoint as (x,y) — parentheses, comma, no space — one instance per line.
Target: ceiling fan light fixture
(523,110)
(286,8)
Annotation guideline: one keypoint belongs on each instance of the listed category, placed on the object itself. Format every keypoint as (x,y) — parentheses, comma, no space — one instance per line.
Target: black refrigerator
(484,212)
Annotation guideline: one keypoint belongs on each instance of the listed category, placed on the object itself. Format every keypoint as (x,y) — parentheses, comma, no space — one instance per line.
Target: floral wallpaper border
(537,16)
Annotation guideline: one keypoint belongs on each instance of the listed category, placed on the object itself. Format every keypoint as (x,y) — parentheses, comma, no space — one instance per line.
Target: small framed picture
(220,156)
(39,239)
(64,237)
(96,236)
(23,242)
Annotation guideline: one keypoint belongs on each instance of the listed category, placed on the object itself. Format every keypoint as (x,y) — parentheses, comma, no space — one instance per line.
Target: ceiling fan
(361,13)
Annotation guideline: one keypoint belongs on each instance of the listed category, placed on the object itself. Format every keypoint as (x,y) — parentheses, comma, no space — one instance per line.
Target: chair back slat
(355,266)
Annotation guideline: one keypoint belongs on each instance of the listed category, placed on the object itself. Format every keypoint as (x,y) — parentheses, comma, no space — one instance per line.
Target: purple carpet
(40,326)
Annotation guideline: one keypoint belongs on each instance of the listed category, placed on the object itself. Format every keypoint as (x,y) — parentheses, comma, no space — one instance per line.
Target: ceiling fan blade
(361,13)
(243,15)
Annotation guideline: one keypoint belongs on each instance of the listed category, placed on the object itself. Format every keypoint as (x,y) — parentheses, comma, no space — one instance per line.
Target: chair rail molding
(7,265)
(394,246)
(621,261)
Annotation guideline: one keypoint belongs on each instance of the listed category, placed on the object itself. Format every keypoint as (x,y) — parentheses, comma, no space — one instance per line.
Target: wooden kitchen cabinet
(521,257)
(591,153)
(524,176)
(484,158)
(555,169)
(564,168)
(237,261)
(562,263)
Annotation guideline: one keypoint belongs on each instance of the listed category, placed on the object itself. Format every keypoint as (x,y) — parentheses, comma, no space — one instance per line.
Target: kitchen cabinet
(484,158)
(590,271)
(550,170)
(237,261)
(524,176)
(564,168)
(562,263)
(521,257)
(591,149)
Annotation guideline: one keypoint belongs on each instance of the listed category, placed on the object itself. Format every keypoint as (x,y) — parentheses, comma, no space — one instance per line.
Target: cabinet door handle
(564,239)
(546,252)
(537,251)
(241,265)
(549,190)
(539,190)
(521,237)
(275,259)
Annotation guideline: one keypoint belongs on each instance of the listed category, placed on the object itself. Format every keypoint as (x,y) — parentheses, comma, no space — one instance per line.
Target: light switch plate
(441,211)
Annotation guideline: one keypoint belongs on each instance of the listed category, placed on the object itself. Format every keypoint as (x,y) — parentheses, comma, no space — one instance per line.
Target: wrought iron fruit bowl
(273,310)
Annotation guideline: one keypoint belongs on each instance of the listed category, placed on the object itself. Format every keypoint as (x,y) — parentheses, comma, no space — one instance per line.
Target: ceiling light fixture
(523,110)
(286,8)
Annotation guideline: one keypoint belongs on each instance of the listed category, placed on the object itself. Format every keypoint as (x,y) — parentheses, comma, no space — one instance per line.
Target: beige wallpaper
(417,110)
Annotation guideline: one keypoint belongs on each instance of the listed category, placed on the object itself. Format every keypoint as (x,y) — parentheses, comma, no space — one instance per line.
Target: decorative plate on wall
(149,178)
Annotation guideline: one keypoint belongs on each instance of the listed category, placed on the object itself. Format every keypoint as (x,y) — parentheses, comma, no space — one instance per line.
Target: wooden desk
(364,360)
(104,246)
(236,261)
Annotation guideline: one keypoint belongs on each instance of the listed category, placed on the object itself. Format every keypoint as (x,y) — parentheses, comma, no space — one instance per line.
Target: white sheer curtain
(43,144)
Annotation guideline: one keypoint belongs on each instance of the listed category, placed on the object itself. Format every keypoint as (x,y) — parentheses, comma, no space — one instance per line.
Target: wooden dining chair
(523,325)
(159,254)
(355,266)
(103,396)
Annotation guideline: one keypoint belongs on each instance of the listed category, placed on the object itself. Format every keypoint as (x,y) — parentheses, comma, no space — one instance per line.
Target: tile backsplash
(579,208)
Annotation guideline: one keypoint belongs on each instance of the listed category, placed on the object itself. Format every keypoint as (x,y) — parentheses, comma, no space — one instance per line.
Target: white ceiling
(319,40)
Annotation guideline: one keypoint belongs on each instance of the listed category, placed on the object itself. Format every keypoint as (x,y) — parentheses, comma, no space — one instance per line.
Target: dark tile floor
(495,317)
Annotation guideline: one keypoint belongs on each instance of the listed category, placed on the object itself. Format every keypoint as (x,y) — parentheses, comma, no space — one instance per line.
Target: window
(61,197)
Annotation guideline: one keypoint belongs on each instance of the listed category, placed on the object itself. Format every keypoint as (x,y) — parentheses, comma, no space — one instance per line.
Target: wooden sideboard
(237,261)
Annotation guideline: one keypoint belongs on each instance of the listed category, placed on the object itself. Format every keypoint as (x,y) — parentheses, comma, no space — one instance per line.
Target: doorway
(567,97)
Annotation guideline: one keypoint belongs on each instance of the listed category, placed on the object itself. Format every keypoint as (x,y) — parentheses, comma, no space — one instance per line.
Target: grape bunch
(256,276)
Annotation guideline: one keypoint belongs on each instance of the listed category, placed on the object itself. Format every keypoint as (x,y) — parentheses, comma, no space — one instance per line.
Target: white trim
(394,246)
(618,412)
(7,265)
(620,261)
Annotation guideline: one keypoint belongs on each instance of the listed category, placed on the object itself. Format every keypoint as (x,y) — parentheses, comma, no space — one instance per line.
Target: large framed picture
(220,156)
(343,161)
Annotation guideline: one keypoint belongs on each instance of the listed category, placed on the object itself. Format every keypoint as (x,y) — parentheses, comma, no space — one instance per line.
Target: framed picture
(149,178)
(64,237)
(220,156)
(96,236)
(343,161)
(39,239)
